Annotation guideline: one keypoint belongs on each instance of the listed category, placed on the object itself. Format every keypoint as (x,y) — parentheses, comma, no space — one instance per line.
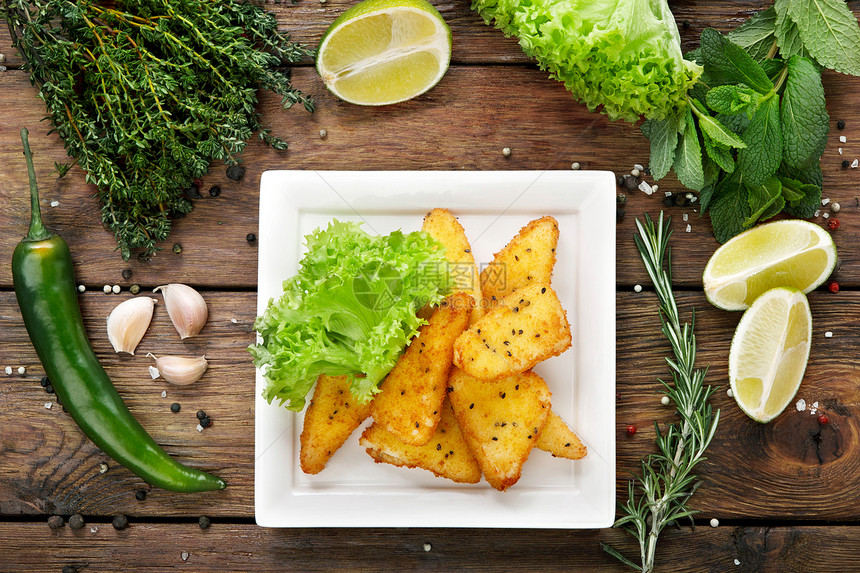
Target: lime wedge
(790,253)
(381,52)
(769,353)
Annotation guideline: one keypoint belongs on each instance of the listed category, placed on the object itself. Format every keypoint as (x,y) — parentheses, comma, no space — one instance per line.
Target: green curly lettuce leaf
(350,310)
(620,56)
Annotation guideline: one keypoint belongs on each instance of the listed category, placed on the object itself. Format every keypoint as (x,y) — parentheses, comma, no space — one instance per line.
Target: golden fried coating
(446,454)
(557,438)
(445,228)
(527,327)
(332,416)
(410,400)
(500,421)
(527,259)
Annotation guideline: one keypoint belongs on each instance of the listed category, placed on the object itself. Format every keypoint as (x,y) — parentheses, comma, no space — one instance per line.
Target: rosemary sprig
(667,480)
(147,93)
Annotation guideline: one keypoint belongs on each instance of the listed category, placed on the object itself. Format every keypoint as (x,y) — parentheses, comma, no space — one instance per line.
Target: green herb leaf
(663,135)
(763,154)
(803,198)
(829,31)
(765,201)
(732,99)
(688,156)
(805,121)
(715,130)
(787,33)
(719,154)
(728,58)
(757,34)
(729,207)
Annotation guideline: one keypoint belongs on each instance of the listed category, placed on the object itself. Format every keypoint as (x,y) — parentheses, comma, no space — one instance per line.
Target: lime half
(791,253)
(769,353)
(381,52)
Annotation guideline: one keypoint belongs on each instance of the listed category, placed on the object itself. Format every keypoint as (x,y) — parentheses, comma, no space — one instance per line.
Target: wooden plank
(230,547)
(46,466)
(451,127)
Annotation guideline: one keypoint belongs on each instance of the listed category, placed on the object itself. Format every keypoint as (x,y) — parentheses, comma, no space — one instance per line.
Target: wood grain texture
(226,547)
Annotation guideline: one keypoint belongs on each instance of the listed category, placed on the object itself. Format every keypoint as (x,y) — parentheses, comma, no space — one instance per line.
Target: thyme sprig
(659,497)
(146,93)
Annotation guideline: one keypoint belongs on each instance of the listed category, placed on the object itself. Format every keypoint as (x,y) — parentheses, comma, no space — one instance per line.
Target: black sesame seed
(495,439)
(55,522)
(502,395)
(417,425)
(175,407)
(203,522)
(516,309)
(120,522)
(509,353)
(543,290)
(76,521)
(471,406)
(438,447)
(214,191)
(140,495)
(519,331)
(235,172)
(507,343)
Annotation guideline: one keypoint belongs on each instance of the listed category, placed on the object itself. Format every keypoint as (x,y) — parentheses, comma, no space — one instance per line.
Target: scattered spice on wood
(833,286)
(140,495)
(235,172)
(120,522)
(76,521)
(214,191)
(55,522)
(631,429)
(251,237)
(203,522)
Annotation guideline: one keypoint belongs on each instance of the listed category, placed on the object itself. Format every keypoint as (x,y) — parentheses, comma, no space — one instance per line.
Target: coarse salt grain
(843,139)
(826,215)
(635,173)
(667,193)
(817,213)
(801,405)
(729,393)
(55,203)
(814,408)
(153,371)
(184,555)
(693,199)
(715,522)
(825,201)
(639,167)
(164,393)
(94,529)
(81,288)
(106,289)
(8,370)
(233,320)
(22,370)
(637,288)
(645,188)
(828,334)
(664,400)
(840,151)
(103,468)
(689,228)
(199,428)
(737,562)
(48,405)
(116,289)
(855,163)
(427,547)
(685,217)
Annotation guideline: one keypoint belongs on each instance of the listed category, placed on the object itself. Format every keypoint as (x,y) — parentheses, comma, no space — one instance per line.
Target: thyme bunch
(147,93)
(659,497)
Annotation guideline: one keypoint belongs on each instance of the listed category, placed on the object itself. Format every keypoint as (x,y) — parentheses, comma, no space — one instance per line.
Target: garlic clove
(178,370)
(128,321)
(185,307)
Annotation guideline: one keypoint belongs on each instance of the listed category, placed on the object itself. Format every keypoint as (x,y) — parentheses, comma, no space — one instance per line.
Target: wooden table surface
(785,493)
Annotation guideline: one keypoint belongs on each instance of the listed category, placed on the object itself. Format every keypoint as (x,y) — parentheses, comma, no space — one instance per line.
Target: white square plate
(492,206)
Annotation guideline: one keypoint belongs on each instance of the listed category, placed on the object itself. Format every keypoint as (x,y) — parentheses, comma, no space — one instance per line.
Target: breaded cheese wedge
(527,259)
(410,399)
(527,327)
(557,438)
(500,421)
(330,419)
(446,454)
(445,228)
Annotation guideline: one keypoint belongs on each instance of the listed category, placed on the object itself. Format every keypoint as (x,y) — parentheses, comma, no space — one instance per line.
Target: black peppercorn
(203,522)
(140,495)
(619,214)
(120,522)
(620,180)
(193,193)
(206,422)
(201,414)
(250,237)
(70,569)
(235,172)
(44,381)
(669,201)
(840,124)
(845,164)
(55,522)
(134,289)
(175,407)
(49,389)
(214,191)
(76,521)
(126,274)
(631,183)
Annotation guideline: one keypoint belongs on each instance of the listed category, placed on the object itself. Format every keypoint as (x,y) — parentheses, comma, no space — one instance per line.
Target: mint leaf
(664,140)
(727,58)
(787,33)
(756,35)
(729,207)
(737,123)
(829,31)
(688,156)
(805,121)
(732,99)
(760,160)
(765,201)
(803,198)
(717,132)
(720,155)
(809,175)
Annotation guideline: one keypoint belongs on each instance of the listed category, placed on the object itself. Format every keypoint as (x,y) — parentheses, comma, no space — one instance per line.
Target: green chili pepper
(44,284)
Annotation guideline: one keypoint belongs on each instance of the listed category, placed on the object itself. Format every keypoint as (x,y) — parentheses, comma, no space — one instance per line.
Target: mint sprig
(751,137)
